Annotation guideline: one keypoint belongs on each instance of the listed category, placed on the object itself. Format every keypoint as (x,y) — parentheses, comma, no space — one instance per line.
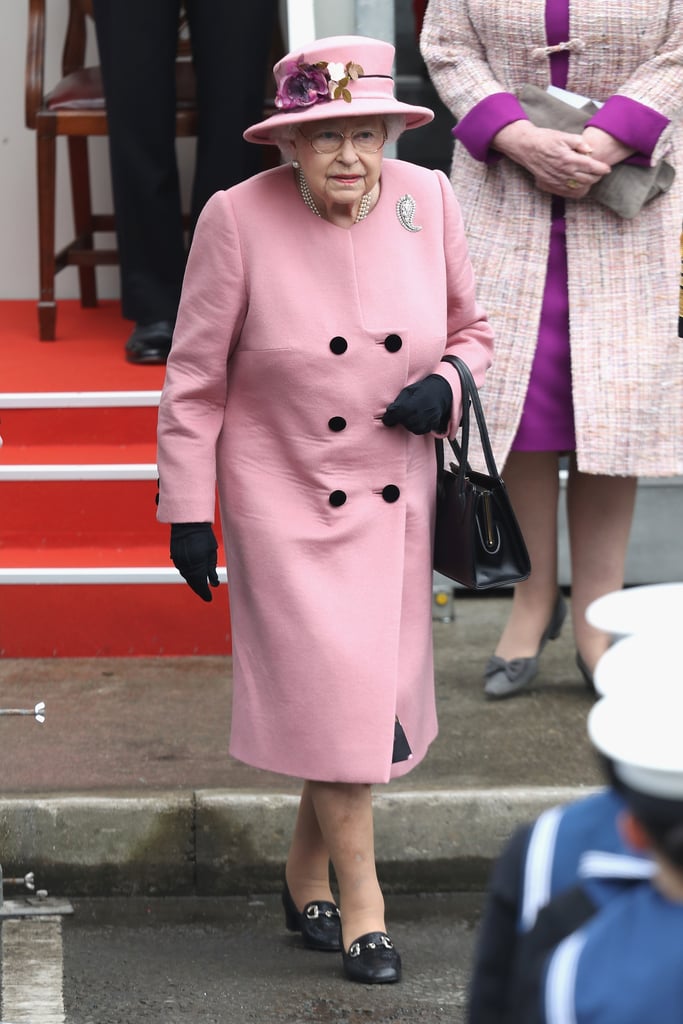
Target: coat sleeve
(191,412)
(657,83)
(455,57)
(469,334)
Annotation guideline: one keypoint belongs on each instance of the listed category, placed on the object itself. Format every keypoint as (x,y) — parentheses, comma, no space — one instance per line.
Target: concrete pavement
(127,789)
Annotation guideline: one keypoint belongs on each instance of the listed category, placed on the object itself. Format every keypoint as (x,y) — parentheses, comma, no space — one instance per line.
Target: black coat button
(337,498)
(339,346)
(391,493)
(337,423)
(393,342)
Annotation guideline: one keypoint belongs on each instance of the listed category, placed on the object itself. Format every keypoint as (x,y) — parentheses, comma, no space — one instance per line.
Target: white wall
(19,241)
(18,221)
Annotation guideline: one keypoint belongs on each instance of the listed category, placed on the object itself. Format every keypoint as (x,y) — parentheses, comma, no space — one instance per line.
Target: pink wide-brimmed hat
(342,76)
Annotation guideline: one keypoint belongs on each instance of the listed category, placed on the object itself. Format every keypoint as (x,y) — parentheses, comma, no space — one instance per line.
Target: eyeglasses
(328,141)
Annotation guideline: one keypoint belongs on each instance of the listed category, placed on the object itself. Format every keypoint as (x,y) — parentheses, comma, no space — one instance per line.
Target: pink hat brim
(415,116)
(371,94)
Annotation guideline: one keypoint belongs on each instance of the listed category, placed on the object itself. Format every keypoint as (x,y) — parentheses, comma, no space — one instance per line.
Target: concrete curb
(227,842)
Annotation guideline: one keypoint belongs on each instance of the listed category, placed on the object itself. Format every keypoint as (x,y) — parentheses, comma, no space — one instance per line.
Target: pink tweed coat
(293,336)
(627,362)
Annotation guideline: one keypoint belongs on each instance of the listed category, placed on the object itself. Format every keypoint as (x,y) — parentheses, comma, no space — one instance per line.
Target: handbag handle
(470,396)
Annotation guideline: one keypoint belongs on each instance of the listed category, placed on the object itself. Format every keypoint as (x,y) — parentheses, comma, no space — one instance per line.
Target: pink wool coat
(627,360)
(292,338)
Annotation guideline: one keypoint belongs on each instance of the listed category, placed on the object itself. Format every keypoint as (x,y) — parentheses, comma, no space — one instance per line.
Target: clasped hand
(194,552)
(561,163)
(422,407)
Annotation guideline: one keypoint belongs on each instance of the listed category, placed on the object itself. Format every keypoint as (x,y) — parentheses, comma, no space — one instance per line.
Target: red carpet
(87,355)
(86,520)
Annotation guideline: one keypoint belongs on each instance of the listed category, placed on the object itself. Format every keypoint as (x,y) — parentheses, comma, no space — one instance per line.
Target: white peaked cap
(641,732)
(642,662)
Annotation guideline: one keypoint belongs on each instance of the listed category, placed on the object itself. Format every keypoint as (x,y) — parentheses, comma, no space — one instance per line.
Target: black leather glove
(194,552)
(422,407)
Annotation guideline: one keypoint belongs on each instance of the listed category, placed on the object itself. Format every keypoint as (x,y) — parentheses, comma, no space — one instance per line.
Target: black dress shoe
(150,343)
(373,960)
(318,923)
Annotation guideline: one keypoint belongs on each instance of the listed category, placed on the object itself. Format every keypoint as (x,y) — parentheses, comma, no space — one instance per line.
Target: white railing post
(298,17)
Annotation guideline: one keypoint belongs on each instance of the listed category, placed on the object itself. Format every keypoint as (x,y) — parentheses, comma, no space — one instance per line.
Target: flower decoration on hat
(302,85)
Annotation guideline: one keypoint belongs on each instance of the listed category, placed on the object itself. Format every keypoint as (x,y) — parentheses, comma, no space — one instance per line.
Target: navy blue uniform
(539,863)
(624,967)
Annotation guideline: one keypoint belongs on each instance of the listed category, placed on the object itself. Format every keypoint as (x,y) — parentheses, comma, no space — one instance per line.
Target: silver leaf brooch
(405,211)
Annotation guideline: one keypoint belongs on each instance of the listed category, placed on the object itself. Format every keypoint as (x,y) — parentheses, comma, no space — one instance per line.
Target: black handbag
(477,539)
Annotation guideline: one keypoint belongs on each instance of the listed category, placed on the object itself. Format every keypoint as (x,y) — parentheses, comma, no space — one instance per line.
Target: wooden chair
(75,108)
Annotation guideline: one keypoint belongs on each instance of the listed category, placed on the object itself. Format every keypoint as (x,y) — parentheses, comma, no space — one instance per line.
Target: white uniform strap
(600,864)
(539,865)
(560,983)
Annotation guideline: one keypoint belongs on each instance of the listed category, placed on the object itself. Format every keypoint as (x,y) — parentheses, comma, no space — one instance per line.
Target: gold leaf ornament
(340,76)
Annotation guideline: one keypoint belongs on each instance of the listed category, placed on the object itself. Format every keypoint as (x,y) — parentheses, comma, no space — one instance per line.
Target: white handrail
(79,471)
(77,399)
(300,21)
(96,574)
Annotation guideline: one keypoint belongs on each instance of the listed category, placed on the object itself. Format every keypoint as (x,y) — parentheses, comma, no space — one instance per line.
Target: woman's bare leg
(308,862)
(344,814)
(532,481)
(599,513)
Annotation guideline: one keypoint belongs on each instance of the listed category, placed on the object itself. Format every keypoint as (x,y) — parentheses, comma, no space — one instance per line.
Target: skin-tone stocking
(533,484)
(599,515)
(308,863)
(344,813)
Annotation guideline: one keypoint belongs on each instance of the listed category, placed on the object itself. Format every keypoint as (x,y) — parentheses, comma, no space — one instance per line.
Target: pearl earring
(296,165)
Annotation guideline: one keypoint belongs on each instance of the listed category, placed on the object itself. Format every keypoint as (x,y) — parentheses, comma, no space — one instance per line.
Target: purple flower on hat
(302,85)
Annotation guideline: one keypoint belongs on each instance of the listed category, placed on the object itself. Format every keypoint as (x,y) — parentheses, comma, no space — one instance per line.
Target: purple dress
(547,422)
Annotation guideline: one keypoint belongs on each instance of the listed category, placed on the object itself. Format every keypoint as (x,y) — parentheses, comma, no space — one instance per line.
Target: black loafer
(318,923)
(373,960)
(150,343)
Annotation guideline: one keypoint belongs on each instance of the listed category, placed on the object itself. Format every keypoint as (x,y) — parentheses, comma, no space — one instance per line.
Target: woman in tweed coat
(582,301)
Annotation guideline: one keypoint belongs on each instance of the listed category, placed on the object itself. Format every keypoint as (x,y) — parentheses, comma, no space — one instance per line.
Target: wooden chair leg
(82,206)
(46,169)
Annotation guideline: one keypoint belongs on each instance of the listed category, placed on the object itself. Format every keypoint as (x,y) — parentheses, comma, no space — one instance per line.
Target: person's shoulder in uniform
(536,896)
(597,973)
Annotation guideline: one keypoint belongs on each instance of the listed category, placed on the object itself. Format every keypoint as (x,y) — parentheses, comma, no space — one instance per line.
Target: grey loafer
(506,678)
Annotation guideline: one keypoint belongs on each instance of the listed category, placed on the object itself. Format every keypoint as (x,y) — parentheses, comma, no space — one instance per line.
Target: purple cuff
(634,124)
(477,128)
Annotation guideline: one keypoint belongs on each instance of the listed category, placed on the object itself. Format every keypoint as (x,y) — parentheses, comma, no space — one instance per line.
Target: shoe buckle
(382,940)
(313,912)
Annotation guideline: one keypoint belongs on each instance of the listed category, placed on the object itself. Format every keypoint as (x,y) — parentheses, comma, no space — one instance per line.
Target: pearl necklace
(307,196)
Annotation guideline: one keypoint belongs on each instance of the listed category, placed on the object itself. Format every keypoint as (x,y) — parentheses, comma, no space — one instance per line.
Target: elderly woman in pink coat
(305,380)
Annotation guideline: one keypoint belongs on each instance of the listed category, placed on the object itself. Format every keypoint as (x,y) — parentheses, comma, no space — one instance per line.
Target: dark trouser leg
(137,40)
(231,45)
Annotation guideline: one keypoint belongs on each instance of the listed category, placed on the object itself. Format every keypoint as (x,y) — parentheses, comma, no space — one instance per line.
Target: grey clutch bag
(627,188)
